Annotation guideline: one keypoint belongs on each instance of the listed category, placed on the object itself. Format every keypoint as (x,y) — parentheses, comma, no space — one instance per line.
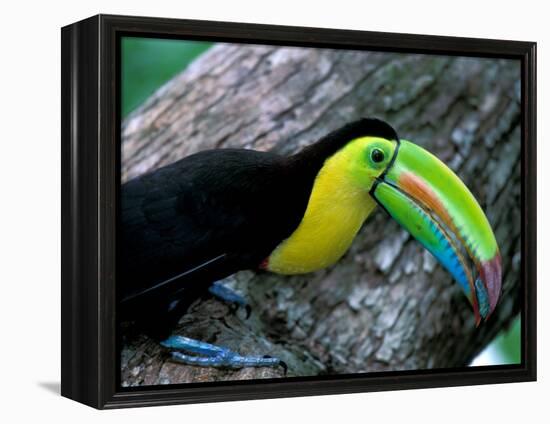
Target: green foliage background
(508,344)
(148,63)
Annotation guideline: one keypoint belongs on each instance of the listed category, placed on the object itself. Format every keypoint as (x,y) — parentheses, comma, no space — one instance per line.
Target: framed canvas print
(254,211)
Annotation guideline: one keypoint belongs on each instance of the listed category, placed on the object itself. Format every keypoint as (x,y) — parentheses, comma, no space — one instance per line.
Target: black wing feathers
(235,205)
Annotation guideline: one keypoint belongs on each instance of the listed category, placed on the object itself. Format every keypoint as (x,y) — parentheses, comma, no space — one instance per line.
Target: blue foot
(215,356)
(221,291)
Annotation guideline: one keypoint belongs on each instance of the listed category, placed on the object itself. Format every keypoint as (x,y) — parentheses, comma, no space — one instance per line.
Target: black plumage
(210,215)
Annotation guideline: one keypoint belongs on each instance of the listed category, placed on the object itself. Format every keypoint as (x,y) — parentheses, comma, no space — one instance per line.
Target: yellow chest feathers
(335,212)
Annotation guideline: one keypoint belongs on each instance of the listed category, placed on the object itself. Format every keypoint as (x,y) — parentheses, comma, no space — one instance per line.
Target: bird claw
(282,364)
(221,291)
(209,355)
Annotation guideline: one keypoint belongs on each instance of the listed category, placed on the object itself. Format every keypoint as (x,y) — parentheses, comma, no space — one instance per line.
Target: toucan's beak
(423,195)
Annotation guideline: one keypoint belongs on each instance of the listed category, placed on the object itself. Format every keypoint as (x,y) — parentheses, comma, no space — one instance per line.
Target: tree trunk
(387,305)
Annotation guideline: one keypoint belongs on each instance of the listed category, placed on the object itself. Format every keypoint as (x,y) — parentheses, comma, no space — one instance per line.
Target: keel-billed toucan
(192,223)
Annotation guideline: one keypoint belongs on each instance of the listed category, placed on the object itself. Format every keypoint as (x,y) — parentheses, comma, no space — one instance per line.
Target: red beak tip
(491,274)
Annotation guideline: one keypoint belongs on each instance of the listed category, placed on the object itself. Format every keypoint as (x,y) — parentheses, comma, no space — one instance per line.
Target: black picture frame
(90,180)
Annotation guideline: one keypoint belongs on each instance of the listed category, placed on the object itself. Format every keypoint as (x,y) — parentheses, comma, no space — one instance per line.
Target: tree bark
(387,305)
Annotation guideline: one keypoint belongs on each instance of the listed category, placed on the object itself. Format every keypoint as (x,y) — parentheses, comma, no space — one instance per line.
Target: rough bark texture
(386,305)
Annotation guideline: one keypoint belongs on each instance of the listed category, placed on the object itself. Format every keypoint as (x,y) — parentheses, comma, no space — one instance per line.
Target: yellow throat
(336,209)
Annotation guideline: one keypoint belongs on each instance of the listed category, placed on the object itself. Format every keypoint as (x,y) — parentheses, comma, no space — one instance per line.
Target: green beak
(425,197)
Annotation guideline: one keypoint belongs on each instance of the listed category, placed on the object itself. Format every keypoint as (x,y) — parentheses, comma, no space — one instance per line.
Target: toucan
(187,226)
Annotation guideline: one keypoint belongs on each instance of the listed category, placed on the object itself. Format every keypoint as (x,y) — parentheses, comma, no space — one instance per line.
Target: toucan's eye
(377,155)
